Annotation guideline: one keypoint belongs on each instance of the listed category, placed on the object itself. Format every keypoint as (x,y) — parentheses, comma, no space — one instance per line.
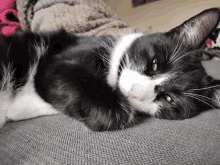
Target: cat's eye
(154,65)
(169,100)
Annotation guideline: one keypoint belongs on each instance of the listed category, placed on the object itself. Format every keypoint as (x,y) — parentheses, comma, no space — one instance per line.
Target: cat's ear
(197,29)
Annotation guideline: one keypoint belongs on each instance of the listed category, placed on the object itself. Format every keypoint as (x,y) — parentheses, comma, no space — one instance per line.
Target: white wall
(161,15)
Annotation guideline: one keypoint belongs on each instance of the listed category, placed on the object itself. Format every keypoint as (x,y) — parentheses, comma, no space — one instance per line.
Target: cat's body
(104,81)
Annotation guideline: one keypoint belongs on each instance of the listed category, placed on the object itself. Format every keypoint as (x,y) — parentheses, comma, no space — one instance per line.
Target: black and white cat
(104,81)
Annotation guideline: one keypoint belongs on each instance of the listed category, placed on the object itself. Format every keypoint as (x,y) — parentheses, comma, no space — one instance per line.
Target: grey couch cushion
(60,139)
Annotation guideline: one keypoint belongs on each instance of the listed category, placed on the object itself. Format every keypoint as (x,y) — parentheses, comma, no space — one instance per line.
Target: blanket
(89,17)
(9,22)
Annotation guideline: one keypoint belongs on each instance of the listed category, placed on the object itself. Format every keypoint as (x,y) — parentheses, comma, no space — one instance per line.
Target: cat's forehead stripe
(117,53)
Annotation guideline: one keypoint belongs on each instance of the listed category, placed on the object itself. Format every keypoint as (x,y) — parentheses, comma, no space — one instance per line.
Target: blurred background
(162,15)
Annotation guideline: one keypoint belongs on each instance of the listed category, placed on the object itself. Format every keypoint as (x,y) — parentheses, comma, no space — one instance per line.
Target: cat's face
(161,76)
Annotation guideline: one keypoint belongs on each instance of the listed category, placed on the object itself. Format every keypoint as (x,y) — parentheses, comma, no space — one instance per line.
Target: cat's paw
(109,117)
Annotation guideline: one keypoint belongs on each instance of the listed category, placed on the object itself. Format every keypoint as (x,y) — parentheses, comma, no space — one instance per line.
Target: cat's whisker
(216,96)
(103,44)
(178,53)
(195,97)
(124,108)
(187,106)
(117,117)
(115,36)
(105,59)
(109,116)
(183,56)
(166,54)
(102,57)
(176,50)
(112,42)
(124,61)
(158,113)
(130,114)
(207,87)
(201,96)
(121,65)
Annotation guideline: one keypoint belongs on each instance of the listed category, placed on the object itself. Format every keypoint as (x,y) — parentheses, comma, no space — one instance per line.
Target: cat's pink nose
(137,91)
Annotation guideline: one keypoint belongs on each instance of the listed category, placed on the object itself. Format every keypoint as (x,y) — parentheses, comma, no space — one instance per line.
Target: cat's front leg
(105,109)
(80,93)
(99,106)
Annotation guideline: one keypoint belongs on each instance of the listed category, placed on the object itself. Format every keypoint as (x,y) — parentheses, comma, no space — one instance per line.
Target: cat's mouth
(145,104)
(139,90)
(142,99)
(140,93)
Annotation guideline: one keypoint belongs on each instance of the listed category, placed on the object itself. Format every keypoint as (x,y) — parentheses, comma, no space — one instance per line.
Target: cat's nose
(137,92)
(141,92)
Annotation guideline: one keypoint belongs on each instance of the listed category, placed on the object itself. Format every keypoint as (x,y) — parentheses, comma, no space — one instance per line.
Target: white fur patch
(27,103)
(117,54)
(5,93)
(139,89)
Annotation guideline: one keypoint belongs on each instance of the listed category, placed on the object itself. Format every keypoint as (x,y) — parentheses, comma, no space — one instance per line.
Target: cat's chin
(145,106)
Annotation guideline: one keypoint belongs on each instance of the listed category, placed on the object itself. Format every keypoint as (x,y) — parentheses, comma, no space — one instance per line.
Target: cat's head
(161,74)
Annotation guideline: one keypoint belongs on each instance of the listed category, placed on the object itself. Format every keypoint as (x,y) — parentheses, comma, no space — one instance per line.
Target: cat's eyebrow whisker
(180,53)
(175,50)
(207,87)
(183,56)
(200,100)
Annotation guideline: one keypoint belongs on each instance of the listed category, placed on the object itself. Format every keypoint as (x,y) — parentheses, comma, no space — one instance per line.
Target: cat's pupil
(154,65)
(169,100)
